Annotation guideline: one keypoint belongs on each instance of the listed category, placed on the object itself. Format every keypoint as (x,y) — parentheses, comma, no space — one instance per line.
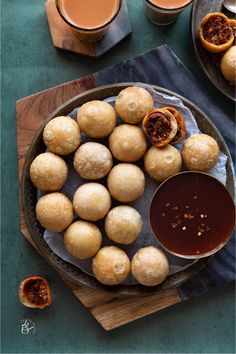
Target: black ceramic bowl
(192,215)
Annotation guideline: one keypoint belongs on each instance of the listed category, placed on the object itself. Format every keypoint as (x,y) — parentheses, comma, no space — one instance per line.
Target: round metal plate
(29,196)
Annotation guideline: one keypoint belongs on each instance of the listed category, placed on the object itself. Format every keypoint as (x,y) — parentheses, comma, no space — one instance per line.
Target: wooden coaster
(109,311)
(64,37)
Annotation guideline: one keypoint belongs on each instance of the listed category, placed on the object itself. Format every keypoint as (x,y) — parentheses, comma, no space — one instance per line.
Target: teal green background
(30,63)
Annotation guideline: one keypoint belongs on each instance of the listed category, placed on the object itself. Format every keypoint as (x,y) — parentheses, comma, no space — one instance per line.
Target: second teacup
(164,12)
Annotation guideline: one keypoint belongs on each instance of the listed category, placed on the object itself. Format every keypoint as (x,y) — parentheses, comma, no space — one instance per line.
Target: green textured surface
(29,64)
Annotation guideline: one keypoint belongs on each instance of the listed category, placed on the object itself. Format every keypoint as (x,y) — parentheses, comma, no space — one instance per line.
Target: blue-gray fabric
(162,67)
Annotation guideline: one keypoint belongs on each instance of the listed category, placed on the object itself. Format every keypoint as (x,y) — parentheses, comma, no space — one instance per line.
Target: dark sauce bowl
(192,215)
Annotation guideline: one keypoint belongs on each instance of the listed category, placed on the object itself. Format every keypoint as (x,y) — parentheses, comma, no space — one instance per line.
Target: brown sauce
(88,14)
(167,4)
(192,213)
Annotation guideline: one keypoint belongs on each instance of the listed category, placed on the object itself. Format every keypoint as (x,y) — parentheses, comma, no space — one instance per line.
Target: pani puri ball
(61,135)
(161,163)
(127,143)
(123,224)
(82,239)
(96,118)
(126,182)
(228,64)
(48,172)
(92,201)
(133,103)
(92,160)
(111,265)
(54,211)
(149,266)
(200,152)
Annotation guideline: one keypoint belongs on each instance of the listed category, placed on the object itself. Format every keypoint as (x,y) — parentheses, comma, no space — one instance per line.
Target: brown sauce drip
(192,214)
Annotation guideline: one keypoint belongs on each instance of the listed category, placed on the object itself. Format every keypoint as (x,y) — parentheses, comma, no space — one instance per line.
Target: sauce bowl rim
(201,255)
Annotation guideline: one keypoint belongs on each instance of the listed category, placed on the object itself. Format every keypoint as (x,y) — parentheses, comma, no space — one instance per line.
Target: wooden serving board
(108,310)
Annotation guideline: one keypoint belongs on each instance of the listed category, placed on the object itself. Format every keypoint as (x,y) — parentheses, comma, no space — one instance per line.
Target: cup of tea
(164,12)
(89,19)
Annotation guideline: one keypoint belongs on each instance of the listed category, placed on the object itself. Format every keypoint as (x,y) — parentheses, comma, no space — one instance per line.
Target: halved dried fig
(160,126)
(181,129)
(215,32)
(35,292)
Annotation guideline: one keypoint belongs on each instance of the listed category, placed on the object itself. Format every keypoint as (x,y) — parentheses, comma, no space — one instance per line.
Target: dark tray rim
(78,277)
(199,60)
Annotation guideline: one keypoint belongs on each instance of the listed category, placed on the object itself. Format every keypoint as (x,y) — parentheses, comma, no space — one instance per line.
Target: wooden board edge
(130,309)
(48,90)
(89,297)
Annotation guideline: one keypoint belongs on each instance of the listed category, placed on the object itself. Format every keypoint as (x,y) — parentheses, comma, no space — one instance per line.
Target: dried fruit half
(35,292)
(160,126)
(215,32)
(181,129)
